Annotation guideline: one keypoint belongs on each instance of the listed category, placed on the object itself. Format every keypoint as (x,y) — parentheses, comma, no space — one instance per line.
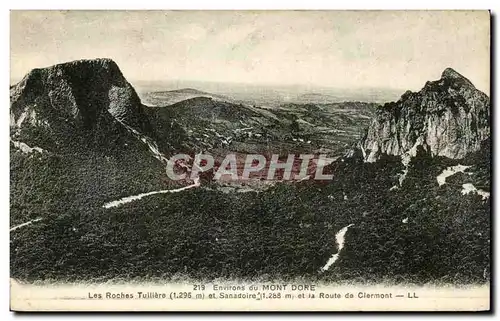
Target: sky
(341,49)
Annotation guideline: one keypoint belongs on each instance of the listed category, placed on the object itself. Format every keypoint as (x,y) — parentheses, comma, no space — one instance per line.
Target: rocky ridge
(78,92)
(448,117)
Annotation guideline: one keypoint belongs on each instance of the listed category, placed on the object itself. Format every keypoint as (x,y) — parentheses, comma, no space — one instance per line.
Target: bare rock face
(448,117)
(80,93)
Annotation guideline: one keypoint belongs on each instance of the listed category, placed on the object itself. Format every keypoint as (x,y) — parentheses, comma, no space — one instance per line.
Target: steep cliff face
(78,140)
(448,117)
(80,93)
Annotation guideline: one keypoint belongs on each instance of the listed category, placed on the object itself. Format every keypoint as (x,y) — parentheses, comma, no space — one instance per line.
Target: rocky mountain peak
(448,117)
(77,92)
(451,73)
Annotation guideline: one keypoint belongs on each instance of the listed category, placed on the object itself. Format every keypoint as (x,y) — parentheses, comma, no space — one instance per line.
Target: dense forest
(418,233)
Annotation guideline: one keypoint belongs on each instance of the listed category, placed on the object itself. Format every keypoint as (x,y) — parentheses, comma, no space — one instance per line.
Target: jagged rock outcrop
(79,92)
(448,117)
(86,105)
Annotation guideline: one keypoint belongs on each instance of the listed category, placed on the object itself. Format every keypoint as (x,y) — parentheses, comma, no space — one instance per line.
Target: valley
(91,200)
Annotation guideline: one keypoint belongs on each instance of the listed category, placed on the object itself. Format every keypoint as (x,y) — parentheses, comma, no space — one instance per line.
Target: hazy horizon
(316,49)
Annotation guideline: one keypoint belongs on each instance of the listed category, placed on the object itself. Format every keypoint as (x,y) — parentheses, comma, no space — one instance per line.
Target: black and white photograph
(246,160)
